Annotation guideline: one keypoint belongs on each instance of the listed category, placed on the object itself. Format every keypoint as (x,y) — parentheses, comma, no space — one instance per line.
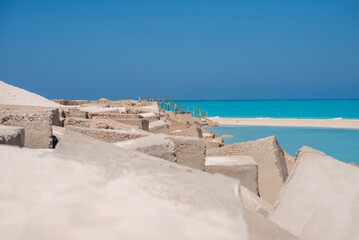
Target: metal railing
(170,105)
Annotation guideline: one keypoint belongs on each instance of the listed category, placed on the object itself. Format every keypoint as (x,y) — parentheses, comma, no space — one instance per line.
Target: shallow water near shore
(342,144)
(318,109)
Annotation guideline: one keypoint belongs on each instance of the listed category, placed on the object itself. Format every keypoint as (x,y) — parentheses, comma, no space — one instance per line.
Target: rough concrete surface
(261,228)
(88,189)
(194,131)
(157,145)
(190,152)
(320,199)
(107,135)
(159,126)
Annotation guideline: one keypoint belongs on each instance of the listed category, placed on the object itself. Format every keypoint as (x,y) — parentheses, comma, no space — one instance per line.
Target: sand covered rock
(272,169)
(37,122)
(11,95)
(89,189)
(320,199)
(243,168)
(107,135)
(12,135)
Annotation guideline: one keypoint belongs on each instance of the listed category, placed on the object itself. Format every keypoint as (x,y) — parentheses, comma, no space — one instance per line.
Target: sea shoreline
(290,122)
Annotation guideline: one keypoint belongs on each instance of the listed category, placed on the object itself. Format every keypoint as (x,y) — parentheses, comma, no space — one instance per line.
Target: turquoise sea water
(342,144)
(279,108)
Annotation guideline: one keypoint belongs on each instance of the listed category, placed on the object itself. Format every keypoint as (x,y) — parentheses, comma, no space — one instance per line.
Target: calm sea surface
(342,144)
(279,108)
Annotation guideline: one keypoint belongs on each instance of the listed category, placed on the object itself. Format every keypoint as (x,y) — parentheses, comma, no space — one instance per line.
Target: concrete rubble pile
(81,169)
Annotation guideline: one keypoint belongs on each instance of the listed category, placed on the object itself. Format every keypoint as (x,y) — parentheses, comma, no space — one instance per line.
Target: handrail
(180,110)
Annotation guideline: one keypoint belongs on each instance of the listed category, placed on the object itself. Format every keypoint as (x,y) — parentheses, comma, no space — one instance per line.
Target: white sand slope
(11,95)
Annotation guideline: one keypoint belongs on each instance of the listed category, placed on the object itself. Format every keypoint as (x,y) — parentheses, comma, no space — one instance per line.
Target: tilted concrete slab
(243,168)
(272,169)
(320,199)
(108,135)
(89,189)
(261,228)
(194,131)
(157,145)
(12,135)
(159,126)
(185,151)
(254,203)
(37,122)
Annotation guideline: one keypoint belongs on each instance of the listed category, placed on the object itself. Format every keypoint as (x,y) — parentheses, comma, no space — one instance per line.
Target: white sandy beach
(290,122)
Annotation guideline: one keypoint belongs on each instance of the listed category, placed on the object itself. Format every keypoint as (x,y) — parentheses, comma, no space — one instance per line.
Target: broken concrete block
(190,152)
(272,169)
(113,115)
(208,134)
(194,131)
(152,108)
(254,203)
(185,151)
(12,135)
(320,199)
(151,117)
(90,189)
(212,124)
(100,123)
(76,113)
(243,168)
(214,142)
(159,126)
(139,123)
(37,122)
(157,145)
(77,122)
(261,228)
(108,135)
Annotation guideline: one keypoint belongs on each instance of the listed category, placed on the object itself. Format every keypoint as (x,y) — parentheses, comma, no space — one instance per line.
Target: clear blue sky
(181,49)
